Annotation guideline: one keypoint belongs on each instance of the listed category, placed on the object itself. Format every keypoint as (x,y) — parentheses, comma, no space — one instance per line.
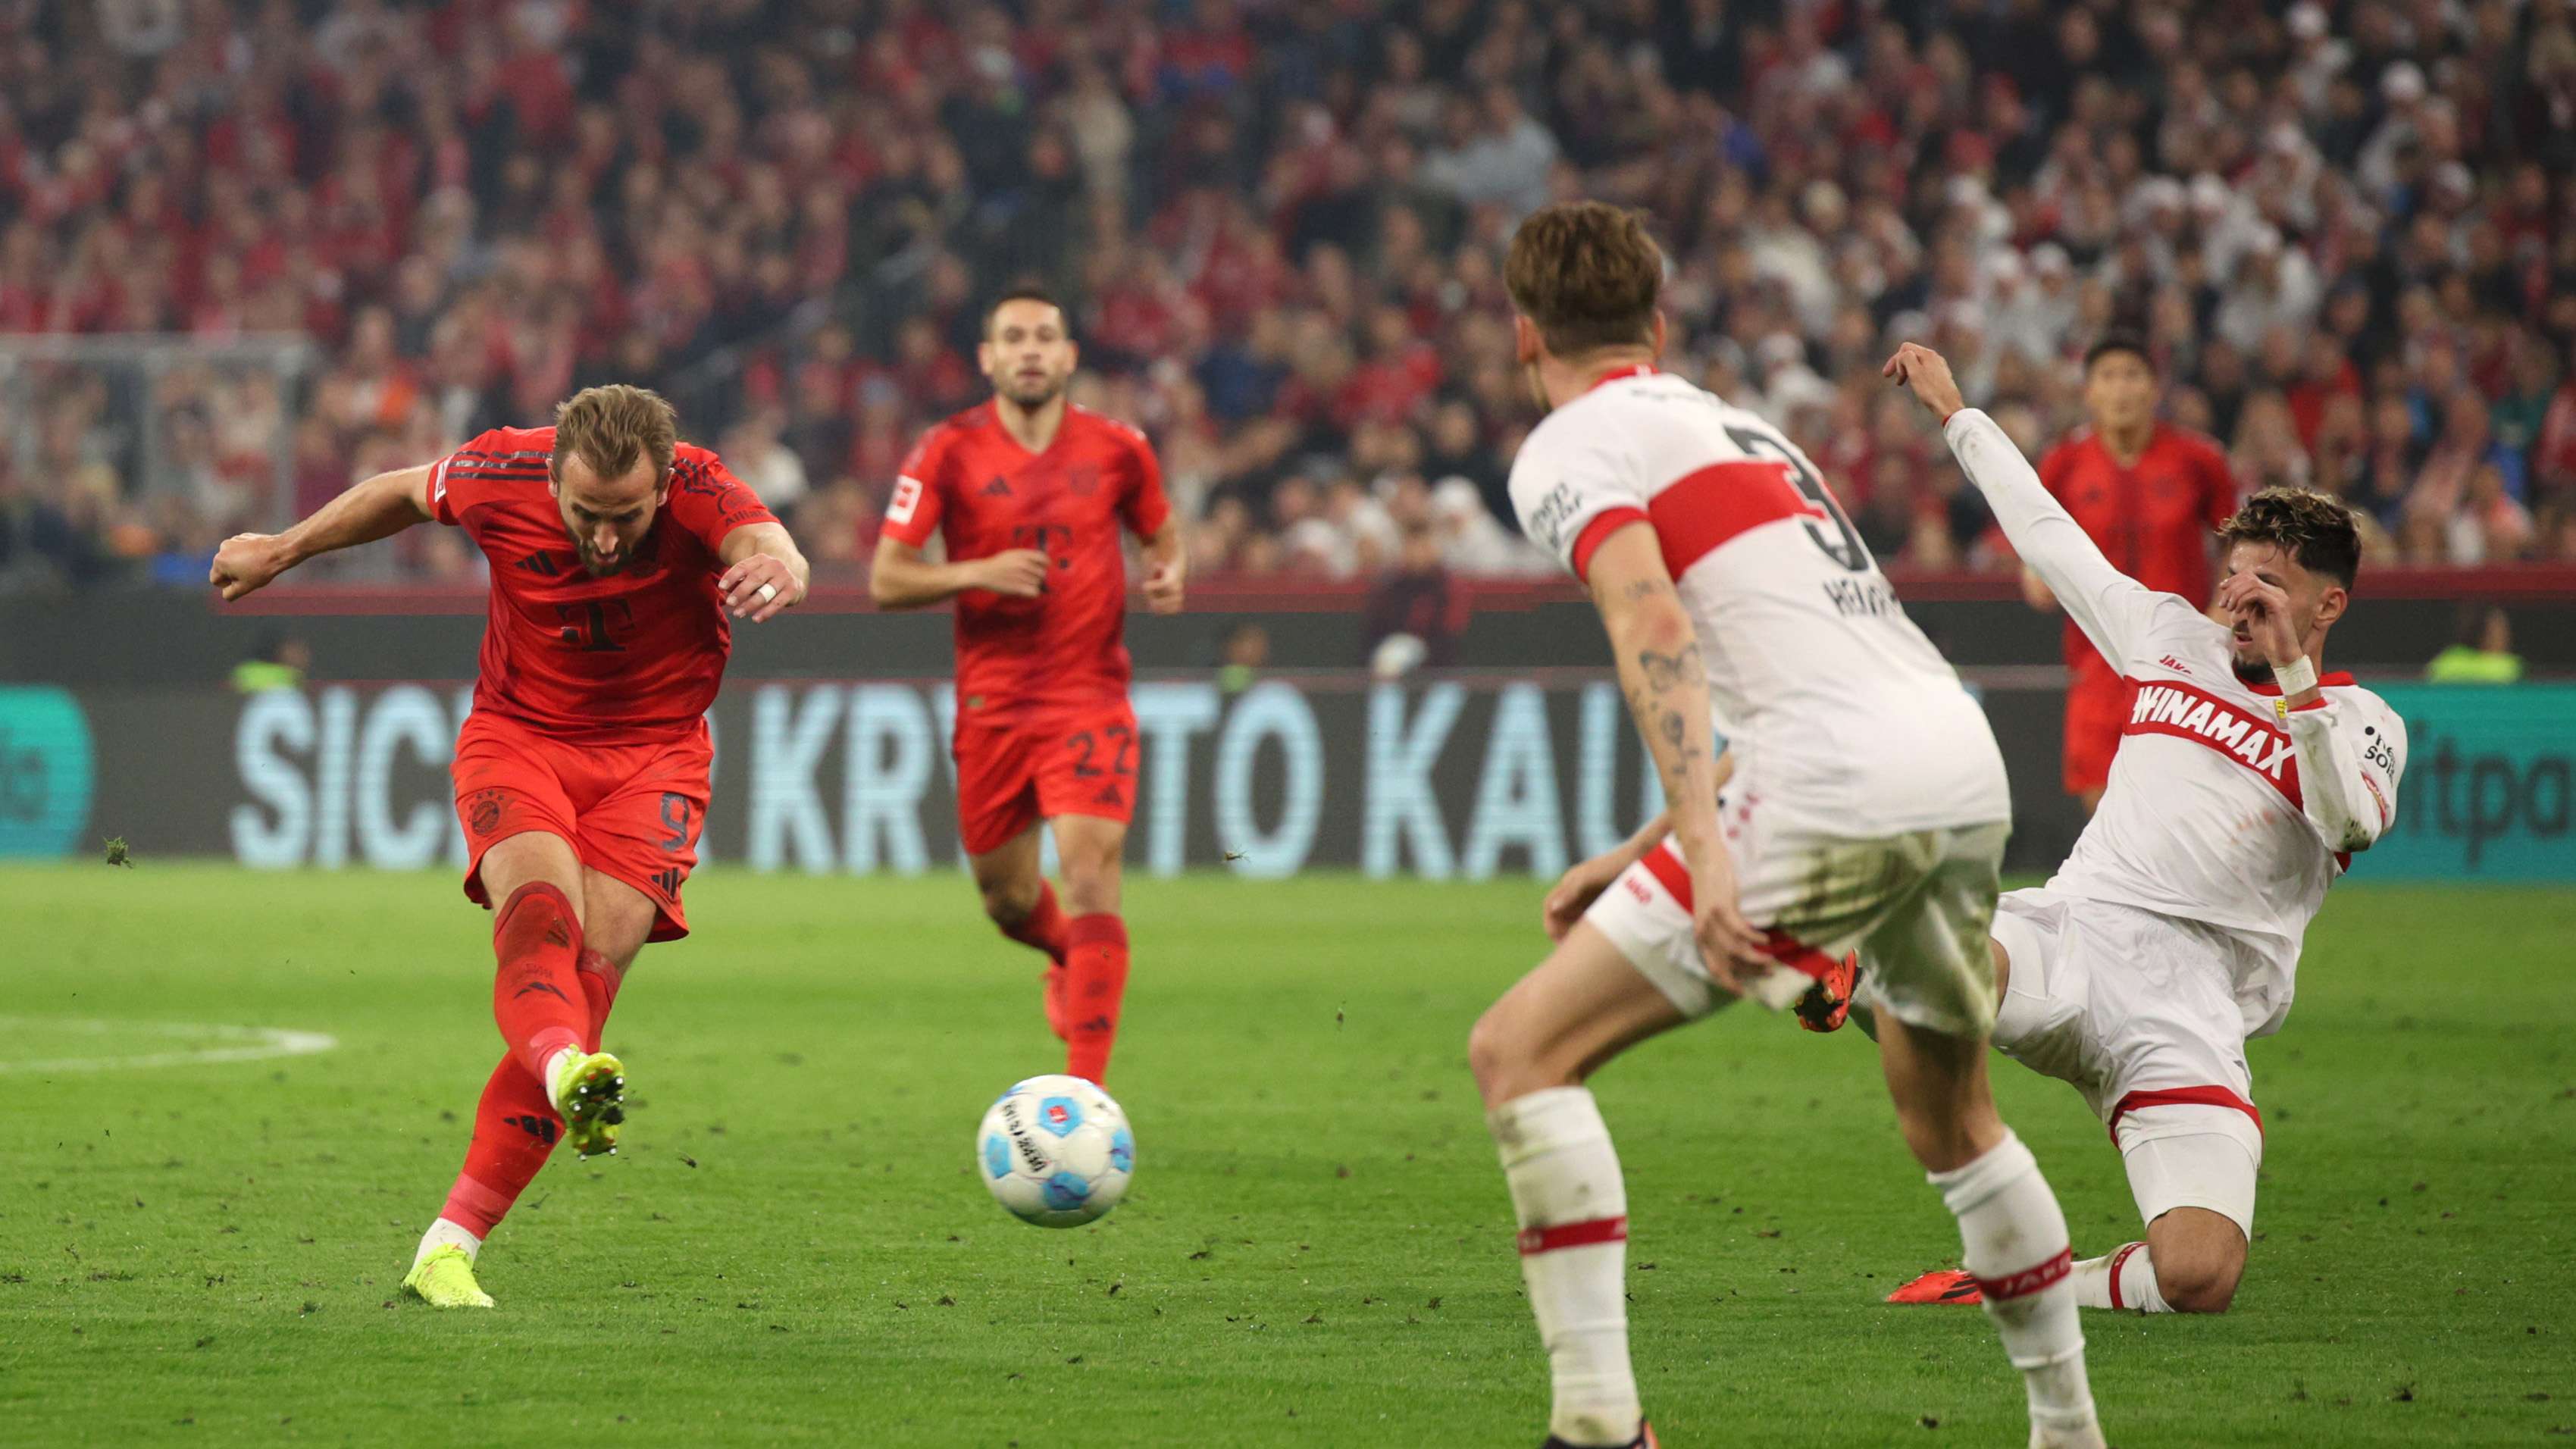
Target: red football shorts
(1013,771)
(2097,704)
(631,811)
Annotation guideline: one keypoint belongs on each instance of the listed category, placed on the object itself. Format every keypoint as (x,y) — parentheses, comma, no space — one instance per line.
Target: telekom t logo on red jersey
(907,496)
(2186,712)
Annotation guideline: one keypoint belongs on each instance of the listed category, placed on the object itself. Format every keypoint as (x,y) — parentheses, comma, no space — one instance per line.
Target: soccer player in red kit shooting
(581,774)
(1031,495)
(2151,496)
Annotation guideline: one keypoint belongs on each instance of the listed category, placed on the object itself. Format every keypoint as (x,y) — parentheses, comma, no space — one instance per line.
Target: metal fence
(181,437)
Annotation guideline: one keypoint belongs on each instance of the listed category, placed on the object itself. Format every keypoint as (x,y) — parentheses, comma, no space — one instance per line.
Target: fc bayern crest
(1082,480)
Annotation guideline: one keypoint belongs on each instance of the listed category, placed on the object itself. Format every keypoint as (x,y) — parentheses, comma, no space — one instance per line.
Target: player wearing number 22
(1032,496)
(616,554)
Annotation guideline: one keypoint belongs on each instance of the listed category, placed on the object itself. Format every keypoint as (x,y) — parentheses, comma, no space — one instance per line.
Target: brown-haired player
(2243,783)
(616,554)
(1865,807)
(2148,493)
(1033,497)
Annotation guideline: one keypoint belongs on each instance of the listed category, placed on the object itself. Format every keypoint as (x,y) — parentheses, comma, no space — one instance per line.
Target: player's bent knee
(1498,1053)
(2199,1259)
(2199,1284)
(1512,1058)
(1009,902)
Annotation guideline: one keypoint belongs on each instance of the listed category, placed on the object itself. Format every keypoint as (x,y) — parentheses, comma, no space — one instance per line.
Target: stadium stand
(2348,230)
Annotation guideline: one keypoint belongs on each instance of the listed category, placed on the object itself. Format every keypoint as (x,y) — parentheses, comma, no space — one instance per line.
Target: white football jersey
(2220,807)
(1838,711)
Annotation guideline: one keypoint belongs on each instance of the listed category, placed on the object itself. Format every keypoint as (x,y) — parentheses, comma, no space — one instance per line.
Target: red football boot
(1941,1285)
(1827,1004)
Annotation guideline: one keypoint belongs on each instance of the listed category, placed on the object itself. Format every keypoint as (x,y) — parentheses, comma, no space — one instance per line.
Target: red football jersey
(971,481)
(636,655)
(2154,519)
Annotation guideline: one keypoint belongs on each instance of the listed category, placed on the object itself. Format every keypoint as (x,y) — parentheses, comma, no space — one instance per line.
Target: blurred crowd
(2347,229)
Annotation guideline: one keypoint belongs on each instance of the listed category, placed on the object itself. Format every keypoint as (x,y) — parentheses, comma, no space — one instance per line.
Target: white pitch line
(247,1043)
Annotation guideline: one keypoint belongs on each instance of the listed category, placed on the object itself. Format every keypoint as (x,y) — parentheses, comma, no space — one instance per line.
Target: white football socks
(2125,1278)
(1573,1212)
(2016,1248)
(443,1234)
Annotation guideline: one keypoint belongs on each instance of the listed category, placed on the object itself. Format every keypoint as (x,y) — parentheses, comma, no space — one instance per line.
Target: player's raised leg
(2013,1233)
(1531,1052)
(537,998)
(1023,907)
(1089,850)
(516,1123)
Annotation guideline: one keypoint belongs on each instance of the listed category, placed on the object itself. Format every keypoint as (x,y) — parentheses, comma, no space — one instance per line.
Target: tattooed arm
(1667,689)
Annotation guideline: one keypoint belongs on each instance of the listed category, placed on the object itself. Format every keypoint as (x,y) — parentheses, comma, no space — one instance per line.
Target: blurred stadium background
(252,251)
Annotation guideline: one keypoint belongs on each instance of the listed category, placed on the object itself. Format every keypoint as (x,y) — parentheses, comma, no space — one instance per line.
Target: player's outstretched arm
(2105,603)
(765,573)
(380,507)
(900,578)
(1660,671)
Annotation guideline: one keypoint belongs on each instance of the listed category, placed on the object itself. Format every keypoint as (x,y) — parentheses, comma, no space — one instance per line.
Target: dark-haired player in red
(581,774)
(2151,496)
(1032,496)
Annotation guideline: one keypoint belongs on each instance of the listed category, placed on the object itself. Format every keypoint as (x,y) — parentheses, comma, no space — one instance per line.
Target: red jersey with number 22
(630,657)
(970,481)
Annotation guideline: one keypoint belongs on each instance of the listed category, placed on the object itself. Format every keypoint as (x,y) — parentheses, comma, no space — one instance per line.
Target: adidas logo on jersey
(539,562)
(667,881)
(2188,713)
(998,488)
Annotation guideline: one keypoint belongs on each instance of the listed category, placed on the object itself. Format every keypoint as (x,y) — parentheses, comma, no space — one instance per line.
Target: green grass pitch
(794,1246)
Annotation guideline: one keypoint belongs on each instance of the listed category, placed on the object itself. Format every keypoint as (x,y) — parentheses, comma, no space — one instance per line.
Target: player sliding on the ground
(1867,803)
(1031,495)
(581,774)
(2243,782)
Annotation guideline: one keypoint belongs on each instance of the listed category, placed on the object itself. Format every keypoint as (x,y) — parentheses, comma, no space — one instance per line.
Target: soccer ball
(1055,1151)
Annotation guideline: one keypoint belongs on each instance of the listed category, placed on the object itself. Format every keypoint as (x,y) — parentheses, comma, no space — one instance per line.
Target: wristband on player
(2297,677)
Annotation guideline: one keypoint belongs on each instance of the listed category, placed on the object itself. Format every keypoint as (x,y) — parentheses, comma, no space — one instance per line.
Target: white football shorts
(2137,1010)
(1918,904)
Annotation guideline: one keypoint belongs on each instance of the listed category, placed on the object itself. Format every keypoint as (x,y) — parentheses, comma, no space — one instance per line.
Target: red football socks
(600,978)
(515,1127)
(1096,960)
(537,996)
(1044,927)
